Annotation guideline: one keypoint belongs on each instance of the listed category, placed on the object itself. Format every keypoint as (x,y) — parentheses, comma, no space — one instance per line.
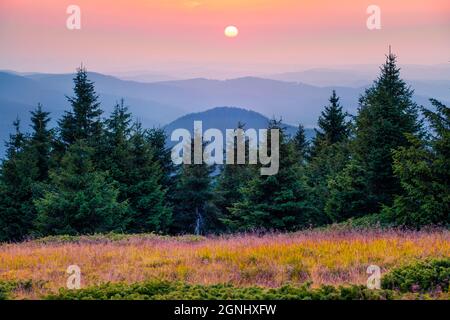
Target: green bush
(161,290)
(424,276)
(7,288)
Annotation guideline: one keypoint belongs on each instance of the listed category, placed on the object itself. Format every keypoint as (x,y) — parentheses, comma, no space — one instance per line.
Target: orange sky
(125,35)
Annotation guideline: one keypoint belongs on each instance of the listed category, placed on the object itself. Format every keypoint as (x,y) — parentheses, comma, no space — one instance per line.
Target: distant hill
(158,103)
(223,118)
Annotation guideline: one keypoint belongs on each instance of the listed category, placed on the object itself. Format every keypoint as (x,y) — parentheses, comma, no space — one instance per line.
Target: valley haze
(295,97)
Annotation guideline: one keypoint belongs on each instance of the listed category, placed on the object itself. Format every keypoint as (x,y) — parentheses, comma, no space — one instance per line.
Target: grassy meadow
(318,258)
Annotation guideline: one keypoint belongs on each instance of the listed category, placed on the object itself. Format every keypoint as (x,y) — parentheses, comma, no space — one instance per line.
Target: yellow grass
(323,257)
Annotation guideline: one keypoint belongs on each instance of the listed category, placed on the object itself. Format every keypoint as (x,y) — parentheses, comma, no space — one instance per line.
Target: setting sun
(231,31)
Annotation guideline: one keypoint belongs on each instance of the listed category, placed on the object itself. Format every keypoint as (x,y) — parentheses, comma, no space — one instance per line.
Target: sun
(231,32)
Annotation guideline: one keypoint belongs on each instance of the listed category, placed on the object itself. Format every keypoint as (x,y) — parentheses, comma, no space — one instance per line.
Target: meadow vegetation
(309,264)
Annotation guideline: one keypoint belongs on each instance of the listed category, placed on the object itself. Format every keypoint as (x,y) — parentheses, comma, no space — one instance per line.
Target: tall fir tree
(25,167)
(157,138)
(146,195)
(79,199)
(301,144)
(232,178)
(275,202)
(333,126)
(329,155)
(83,121)
(424,172)
(386,116)
(194,199)
(41,141)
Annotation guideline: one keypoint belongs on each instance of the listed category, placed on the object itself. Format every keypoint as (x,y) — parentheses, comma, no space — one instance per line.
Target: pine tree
(194,206)
(424,172)
(386,116)
(301,144)
(17,176)
(115,147)
(278,201)
(232,178)
(157,138)
(144,192)
(79,199)
(41,141)
(83,121)
(320,171)
(329,155)
(333,127)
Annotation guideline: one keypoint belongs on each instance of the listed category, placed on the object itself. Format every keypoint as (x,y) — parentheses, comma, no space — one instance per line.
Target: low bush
(424,276)
(7,288)
(161,290)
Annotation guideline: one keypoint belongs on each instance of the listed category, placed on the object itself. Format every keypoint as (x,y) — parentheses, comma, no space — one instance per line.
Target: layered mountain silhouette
(223,118)
(159,103)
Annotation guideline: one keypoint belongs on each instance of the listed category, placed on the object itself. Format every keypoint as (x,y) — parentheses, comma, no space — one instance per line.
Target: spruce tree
(194,205)
(329,155)
(41,141)
(333,127)
(83,121)
(157,138)
(17,176)
(275,202)
(424,172)
(146,195)
(79,199)
(232,178)
(386,116)
(301,143)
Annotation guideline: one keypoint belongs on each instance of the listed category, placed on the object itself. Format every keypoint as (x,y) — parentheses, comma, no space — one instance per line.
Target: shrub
(424,276)
(163,290)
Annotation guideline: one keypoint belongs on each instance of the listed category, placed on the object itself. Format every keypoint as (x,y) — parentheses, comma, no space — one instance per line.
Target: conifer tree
(301,143)
(79,199)
(41,141)
(232,178)
(275,202)
(386,116)
(17,176)
(333,127)
(83,121)
(194,206)
(329,155)
(146,195)
(424,172)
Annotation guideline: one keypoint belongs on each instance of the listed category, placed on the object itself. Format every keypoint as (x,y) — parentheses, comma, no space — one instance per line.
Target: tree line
(389,163)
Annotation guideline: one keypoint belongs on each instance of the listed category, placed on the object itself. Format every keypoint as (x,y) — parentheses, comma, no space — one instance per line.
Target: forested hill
(223,118)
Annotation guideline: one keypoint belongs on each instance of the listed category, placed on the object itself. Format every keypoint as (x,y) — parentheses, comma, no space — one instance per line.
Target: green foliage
(232,179)
(79,199)
(160,290)
(83,121)
(277,201)
(7,288)
(300,143)
(21,174)
(193,199)
(333,127)
(424,172)
(386,115)
(423,276)
(348,193)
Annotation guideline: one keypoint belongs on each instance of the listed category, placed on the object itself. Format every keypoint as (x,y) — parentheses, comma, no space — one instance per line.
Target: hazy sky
(171,35)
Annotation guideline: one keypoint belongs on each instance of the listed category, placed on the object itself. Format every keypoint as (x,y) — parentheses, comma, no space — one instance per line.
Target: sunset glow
(140,34)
